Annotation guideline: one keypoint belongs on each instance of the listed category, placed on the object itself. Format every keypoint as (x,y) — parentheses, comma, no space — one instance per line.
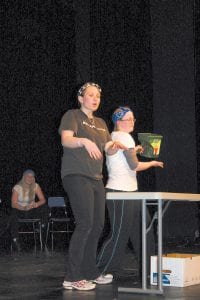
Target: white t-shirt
(120,176)
(23,199)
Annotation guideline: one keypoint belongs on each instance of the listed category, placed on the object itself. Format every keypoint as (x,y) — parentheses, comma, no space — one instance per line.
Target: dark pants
(87,199)
(40,212)
(125,221)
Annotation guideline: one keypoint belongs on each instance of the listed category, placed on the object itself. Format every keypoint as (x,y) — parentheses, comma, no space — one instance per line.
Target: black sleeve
(68,122)
(131,158)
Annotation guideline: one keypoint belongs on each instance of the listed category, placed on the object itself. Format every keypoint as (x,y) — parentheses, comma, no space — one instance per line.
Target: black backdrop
(39,75)
(197,82)
(173,65)
(38,72)
(50,47)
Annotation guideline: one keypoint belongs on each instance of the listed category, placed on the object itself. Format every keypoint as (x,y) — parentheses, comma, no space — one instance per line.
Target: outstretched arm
(147,165)
(113,146)
(135,164)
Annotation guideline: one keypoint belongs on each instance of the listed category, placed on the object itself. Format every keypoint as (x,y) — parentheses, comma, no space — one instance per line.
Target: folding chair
(56,218)
(31,226)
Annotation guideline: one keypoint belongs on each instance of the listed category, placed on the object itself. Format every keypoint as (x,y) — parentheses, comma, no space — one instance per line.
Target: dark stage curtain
(175,60)
(38,71)
(197,82)
(48,47)
(120,48)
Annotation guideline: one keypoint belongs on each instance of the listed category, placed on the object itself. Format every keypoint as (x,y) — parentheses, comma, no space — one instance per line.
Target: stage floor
(39,276)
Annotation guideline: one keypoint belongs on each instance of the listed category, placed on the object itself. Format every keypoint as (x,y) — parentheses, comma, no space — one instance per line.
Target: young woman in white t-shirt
(27,201)
(125,216)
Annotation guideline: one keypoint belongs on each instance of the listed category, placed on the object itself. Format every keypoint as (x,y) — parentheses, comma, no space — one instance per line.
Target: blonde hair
(26,187)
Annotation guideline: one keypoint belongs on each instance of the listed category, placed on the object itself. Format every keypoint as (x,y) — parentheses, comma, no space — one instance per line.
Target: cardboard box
(177,269)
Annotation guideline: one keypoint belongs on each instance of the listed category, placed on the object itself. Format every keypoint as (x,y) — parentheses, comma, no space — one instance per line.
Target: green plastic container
(151,143)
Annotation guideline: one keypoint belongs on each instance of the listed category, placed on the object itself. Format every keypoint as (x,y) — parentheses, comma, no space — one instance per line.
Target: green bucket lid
(151,143)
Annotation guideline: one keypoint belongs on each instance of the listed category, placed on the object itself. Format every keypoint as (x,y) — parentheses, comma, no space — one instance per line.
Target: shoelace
(80,283)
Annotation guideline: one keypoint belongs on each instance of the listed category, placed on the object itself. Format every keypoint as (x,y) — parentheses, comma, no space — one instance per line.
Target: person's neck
(123,130)
(88,113)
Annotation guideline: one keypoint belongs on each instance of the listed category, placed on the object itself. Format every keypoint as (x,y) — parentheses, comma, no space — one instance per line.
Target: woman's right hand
(68,140)
(91,148)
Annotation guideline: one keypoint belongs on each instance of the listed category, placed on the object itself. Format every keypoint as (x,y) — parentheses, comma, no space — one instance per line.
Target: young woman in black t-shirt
(84,137)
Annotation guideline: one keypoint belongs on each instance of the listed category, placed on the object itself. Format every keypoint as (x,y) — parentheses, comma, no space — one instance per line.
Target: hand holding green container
(151,144)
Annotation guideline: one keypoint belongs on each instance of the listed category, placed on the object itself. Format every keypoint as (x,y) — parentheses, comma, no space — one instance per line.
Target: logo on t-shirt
(93,126)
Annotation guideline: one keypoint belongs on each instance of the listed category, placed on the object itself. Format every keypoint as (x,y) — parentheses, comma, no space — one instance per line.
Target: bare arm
(146,165)
(14,200)
(135,164)
(112,147)
(41,198)
(68,140)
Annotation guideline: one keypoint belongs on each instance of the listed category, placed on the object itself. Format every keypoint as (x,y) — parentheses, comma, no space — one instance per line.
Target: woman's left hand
(29,207)
(35,205)
(113,147)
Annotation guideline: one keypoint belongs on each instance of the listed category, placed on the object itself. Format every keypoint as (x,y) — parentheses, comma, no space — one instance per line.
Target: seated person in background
(27,201)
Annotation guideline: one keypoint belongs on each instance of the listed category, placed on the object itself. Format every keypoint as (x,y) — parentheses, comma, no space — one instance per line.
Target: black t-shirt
(77,160)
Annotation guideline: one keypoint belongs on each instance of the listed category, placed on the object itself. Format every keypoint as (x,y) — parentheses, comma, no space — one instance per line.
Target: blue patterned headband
(86,85)
(120,113)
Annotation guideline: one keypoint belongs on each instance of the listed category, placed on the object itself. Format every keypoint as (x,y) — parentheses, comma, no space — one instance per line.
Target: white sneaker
(110,276)
(81,285)
(104,279)
(67,285)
